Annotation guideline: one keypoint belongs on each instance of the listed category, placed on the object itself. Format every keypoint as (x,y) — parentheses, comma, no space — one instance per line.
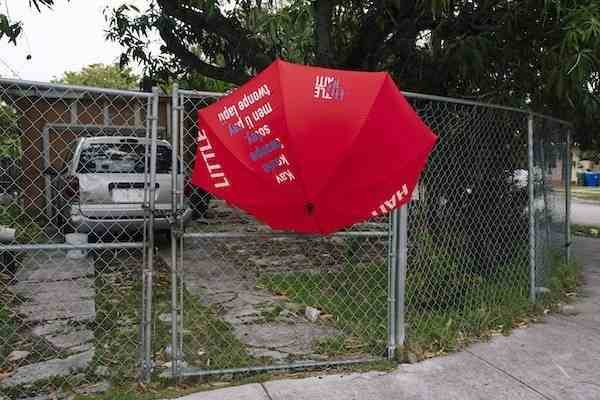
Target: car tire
(162,236)
(60,209)
(199,201)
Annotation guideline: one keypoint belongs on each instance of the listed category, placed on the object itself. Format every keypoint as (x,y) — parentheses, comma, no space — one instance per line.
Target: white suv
(102,189)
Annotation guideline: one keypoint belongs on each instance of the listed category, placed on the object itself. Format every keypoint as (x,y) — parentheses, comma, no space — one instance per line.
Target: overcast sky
(68,37)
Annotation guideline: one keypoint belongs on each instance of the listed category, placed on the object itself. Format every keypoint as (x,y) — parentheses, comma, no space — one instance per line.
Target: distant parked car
(102,188)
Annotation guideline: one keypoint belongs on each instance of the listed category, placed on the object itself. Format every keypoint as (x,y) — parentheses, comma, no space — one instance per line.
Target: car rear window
(126,158)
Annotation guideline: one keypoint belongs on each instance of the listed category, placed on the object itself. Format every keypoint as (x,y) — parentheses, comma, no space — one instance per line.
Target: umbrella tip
(310,208)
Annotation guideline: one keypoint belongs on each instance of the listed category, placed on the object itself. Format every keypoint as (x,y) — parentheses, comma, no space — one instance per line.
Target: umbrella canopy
(312,150)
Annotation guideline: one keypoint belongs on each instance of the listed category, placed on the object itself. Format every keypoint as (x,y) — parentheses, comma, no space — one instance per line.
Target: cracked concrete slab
(47,291)
(54,266)
(259,320)
(83,310)
(296,339)
(448,378)
(48,369)
(58,294)
(71,338)
(246,392)
(56,290)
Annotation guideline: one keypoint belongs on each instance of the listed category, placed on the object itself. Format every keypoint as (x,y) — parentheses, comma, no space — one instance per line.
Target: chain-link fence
(73,242)
(105,285)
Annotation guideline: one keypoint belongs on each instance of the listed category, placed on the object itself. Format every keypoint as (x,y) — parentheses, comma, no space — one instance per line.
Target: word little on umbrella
(215,170)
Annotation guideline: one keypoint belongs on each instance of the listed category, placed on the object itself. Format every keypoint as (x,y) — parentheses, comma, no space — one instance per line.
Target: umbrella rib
(297,166)
(339,165)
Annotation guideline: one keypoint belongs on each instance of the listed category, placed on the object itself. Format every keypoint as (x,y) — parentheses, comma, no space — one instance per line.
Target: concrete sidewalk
(558,360)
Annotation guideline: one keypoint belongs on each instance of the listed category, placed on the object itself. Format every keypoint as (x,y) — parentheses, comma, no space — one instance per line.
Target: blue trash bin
(591,179)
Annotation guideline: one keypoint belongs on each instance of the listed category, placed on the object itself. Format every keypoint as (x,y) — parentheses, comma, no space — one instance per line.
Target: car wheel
(60,217)
(199,202)
(163,236)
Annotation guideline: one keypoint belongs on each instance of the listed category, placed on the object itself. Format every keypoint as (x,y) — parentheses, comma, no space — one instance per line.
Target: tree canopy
(543,54)
(101,75)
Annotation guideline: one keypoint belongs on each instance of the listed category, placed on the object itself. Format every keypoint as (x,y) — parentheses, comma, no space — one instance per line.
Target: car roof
(122,139)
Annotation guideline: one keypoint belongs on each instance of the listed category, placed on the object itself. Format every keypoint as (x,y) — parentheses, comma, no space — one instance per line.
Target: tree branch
(248,47)
(375,26)
(179,50)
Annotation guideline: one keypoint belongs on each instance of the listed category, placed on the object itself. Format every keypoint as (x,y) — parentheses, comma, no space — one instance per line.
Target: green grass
(586,230)
(8,333)
(27,230)
(205,337)
(118,304)
(355,297)
(448,305)
(586,193)
(270,314)
(116,329)
(562,282)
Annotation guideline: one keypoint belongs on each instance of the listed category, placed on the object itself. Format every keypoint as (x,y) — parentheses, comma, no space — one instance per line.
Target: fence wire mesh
(74,171)
(93,295)
(552,168)
(468,231)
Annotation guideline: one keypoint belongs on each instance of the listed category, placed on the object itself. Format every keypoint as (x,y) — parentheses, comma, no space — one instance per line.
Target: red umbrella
(312,150)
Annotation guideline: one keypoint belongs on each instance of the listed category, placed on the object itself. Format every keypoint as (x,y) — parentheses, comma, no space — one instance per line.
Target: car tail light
(72,188)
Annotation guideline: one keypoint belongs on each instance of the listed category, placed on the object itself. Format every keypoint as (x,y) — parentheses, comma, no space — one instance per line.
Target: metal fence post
(545,187)
(568,170)
(531,205)
(397,257)
(143,323)
(174,226)
(181,180)
(391,264)
(401,264)
(148,364)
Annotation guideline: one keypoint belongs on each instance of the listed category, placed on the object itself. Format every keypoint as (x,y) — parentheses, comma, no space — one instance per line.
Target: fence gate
(249,298)
(81,198)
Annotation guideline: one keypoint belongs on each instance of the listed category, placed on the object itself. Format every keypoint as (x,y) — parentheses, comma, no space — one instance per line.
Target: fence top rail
(413,95)
(84,127)
(199,93)
(280,235)
(549,118)
(66,246)
(29,85)
(481,104)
